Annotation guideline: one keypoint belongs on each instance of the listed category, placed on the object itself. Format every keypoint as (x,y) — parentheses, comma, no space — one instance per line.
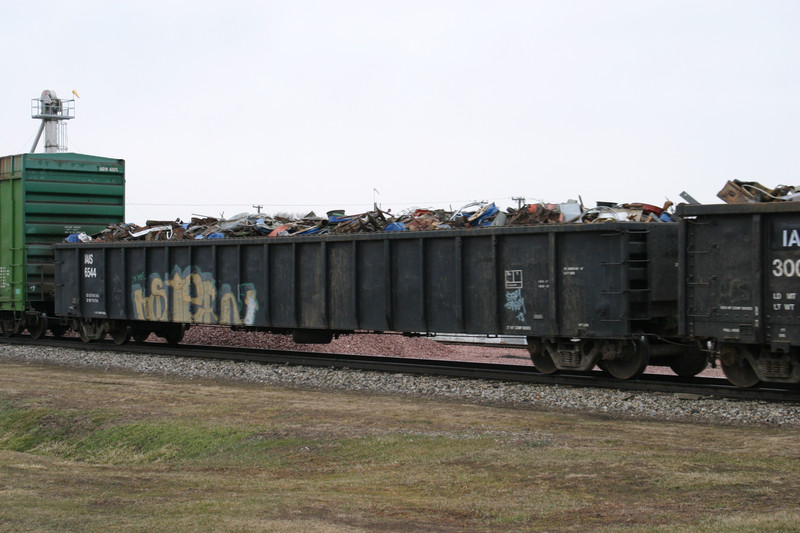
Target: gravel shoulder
(539,397)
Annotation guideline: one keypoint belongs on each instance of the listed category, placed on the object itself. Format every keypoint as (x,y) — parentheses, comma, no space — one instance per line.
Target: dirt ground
(84,450)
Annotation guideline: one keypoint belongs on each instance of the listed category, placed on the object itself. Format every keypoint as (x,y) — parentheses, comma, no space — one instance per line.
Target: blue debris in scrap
(472,215)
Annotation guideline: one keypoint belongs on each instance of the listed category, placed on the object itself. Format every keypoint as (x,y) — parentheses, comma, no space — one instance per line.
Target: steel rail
(696,387)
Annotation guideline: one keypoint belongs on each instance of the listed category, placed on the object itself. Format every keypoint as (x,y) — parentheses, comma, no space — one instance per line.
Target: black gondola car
(740,272)
(582,294)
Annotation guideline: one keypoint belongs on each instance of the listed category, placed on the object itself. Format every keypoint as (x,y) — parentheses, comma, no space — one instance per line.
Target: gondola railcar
(582,294)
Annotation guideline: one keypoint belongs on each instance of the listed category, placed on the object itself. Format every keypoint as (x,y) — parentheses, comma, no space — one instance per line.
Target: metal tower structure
(53,112)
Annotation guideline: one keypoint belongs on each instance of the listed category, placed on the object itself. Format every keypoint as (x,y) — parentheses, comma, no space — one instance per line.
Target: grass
(94,451)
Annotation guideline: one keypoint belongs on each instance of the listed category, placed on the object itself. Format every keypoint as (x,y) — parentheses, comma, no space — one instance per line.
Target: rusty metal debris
(751,192)
(473,215)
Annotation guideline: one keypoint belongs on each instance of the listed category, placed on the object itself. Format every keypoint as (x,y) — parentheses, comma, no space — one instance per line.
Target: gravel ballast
(554,397)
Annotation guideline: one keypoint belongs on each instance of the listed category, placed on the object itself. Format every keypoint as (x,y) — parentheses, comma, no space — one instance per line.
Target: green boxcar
(43,199)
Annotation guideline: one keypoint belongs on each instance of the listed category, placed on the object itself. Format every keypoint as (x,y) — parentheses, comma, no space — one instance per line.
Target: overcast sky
(301,105)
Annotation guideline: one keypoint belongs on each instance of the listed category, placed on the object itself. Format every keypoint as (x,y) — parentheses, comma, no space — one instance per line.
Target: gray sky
(301,105)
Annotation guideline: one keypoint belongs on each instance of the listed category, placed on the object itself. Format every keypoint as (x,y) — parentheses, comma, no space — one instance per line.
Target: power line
(454,202)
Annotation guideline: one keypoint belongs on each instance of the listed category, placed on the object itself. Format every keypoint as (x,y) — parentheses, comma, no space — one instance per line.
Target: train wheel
(689,363)
(10,326)
(119,332)
(540,357)
(91,330)
(736,367)
(630,361)
(37,326)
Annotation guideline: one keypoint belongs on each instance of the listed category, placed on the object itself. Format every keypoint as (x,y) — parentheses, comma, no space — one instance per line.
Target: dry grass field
(84,450)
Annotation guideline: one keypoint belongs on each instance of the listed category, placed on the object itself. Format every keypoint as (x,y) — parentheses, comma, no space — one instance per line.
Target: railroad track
(700,387)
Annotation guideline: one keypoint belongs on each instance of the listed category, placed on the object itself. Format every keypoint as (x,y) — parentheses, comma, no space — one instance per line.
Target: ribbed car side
(583,295)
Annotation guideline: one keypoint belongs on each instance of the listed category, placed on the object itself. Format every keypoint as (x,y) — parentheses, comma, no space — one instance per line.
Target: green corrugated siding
(69,209)
(12,275)
(44,198)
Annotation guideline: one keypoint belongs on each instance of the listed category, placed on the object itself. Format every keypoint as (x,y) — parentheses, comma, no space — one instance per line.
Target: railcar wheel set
(720,284)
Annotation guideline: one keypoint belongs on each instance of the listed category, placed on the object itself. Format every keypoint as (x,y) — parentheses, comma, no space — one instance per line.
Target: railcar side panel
(547,281)
(522,271)
(593,290)
(282,273)
(723,261)
(371,280)
(12,256)
(443,295)
(567,281)
(782,272)
(740,286)
(481,303)
(407,284)
(741,281)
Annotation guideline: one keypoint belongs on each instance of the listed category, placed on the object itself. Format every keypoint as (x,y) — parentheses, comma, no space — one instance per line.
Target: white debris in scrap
(470,216)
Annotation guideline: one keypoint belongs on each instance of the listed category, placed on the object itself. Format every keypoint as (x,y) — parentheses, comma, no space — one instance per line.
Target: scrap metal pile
(474,215)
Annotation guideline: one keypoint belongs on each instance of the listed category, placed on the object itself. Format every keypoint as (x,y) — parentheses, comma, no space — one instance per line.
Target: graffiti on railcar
(515,301)
(191,296)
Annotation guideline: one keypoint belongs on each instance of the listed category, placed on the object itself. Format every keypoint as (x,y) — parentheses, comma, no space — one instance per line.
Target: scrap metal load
(475,215)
